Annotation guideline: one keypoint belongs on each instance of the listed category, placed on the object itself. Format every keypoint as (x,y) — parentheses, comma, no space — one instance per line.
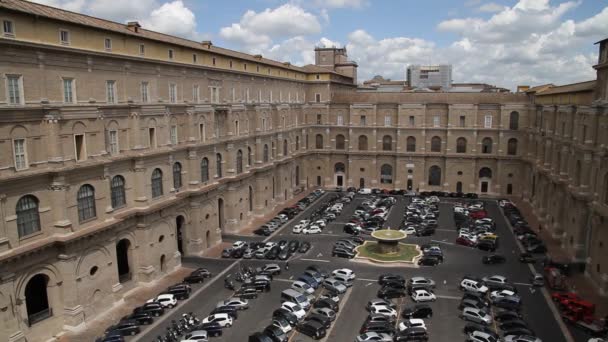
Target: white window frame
(72,90)
(173,134)
(20,95)
(196,93)
(11,33)
(84,147)
(436,121)
(106,46)
(142,49)
(172,92)
(22,154)
(69,38)
(387,121)
(111,91)
(144,91)
(487,122)
(340,120)
(113,142)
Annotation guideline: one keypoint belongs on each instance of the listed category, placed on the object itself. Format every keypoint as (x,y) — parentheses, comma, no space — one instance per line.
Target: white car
(501,293)
(383,310)
(239,244)
(320,223)
(345,272)
(302,287)
(295,309)
(312,230)
(222,319)
(283,325)
(196,336)
(419,296)
(374,337)
(473,286)
(166,300)
(409,230)
(297,229)
(469,236)
(238,303)
(412,323)
(526,338)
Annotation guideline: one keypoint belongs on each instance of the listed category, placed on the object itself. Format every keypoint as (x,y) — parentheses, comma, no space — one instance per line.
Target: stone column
(194,231)
(60,202)
(135,133)
(193,165)
(73,309)
(140,189)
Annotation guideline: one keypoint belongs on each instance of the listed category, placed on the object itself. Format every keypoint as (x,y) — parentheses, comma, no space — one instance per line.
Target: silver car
(476,315)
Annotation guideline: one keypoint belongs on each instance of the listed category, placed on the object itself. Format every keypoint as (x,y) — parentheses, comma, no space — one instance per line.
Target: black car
(212,328)
(428,260)
(155,309)
(287,315)
(275,333)
(304,247)
(247,293)
(293,246)
(343,253)
(237,253)
(507,303)
(486,245)
(527,258)
(390,277)
(418,311)
(194,278)
(425,231)
(180,292)
(273,253)
(417,334)
(227,252)
(537,249)
(506,315)
(390,292)
(111,336)
(378,327)
(324,320)
(327,303)
(518,332)
(125,328)
(471,303)
(312,328)
(285,254)
(142,318)
(259,285)
(348,229)
(476,296)
(470,327)
(227,309)
(265,231)
(493,259)
(259,337)
(513,324)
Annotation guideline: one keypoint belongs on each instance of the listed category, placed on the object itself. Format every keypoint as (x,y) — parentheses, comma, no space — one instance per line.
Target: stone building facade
(122,149)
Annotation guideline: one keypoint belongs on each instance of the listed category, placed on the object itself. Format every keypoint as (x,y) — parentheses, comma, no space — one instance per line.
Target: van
(365,191)
(291,295)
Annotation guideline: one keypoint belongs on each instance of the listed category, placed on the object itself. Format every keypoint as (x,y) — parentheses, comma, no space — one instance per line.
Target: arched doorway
(339,171)
(220,213)
(36,299)
(361,182)
(485,179)
(179,224)
(163,263)
(458,186)
(122,260)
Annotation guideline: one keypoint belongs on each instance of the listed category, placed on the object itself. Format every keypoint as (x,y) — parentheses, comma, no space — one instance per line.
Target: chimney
(133,26)
(287,64)
(206,44)
(257,56)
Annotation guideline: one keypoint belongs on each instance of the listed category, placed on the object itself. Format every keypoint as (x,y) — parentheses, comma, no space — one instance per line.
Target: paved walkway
(578,282)
(96,327)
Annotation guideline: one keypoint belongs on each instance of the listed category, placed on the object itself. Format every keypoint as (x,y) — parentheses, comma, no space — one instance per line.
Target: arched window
(486,145)
(485,172)
(339,167)
(514,120)
(218,165)
(177,175)
(411,144)
(249,156)
(386,174)
(436,144)
(461,145)
(297,142)
(236,128)
(319,141)
(157,183)
(86,203)
(285,148)
(265,154)
(204,170)
(239,161)
(387,143)
(117,190)
(362,143)
(435,175)
(28,218)
(512,147)
(340,142)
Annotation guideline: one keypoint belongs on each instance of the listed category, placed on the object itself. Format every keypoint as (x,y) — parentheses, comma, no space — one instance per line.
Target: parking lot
(443,326)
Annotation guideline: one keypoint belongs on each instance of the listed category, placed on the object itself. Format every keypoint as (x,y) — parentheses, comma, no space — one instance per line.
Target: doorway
(163,264)
(36,299)
(362,182)
(484,187)
(220,212)
(458,186)
(410,184)
(179,223)
(339,180)
(122,260)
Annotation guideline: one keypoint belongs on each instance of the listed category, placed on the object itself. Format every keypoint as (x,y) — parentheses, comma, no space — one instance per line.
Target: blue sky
(502,42)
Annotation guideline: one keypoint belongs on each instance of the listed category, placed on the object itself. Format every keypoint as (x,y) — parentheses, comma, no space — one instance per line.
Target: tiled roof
(569,88)
(81,19)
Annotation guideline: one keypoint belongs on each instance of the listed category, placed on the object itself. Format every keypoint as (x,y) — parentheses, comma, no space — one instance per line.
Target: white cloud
(172,18)
(340,3)
(284,21)
(491,7)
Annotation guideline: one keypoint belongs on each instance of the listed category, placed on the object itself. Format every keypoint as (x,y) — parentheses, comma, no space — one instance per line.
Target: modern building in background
(122,149)
(430,76)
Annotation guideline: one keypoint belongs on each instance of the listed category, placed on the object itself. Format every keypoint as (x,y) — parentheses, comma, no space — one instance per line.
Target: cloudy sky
(502,42)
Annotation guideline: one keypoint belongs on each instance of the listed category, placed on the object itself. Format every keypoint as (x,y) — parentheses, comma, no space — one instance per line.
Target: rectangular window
(170,53)
(230,63)
(107,44)
(215,94)
(14,86)
(387,121)
(257,68)
(194,58)
(340,120)
(152,137)
(488,121)
(196,97)
(247,95)
(244,66)
(172,93)
(20,154)
(412,121)
(142,49)
(79,145)
(173,135)
(436,121)
(113,141)
(68,90)
(8,28)
(319,119)
(317,98)
(144,92)
(363,120)
(201,132)
(64,37)
(462,121)
(111,91)
(213,61)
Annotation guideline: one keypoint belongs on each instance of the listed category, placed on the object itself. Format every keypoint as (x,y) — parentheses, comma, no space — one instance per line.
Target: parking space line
(444,242)
(365,279)
(448,297)
(446,230)
(523,284)
(317,260)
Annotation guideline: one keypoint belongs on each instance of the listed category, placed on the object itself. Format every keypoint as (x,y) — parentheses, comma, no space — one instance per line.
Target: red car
(479,214)
(465,242)
(558,297)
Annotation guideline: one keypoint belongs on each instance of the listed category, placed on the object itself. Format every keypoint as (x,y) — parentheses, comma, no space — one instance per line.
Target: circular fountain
(388,248)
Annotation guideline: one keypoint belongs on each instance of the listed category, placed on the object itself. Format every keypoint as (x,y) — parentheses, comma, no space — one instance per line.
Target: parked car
(141,318)
(423,296)
(213,328)
(155,309)
(476,315)
(125,328)
(166,300)
(417,311)
(428,260)
(312,328)
(388,292)
(493,259)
